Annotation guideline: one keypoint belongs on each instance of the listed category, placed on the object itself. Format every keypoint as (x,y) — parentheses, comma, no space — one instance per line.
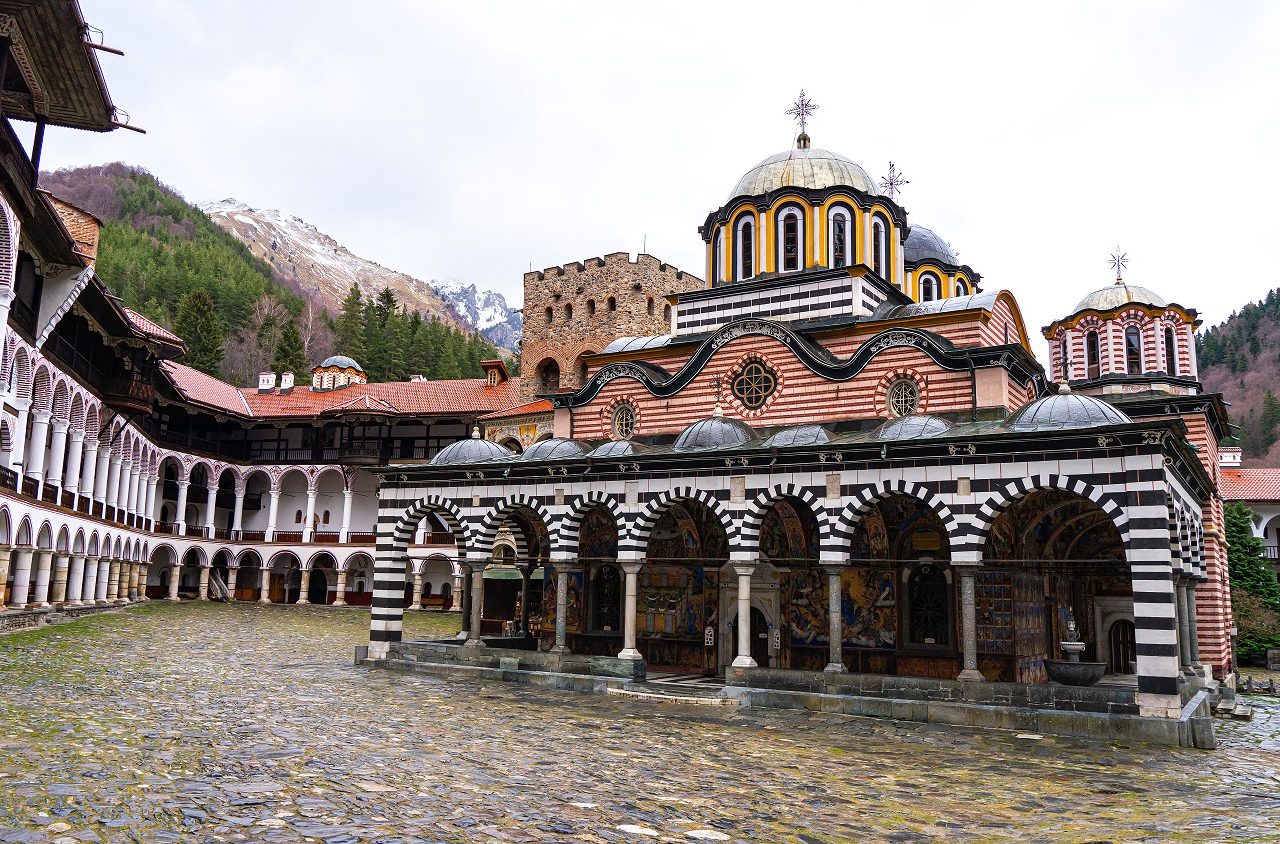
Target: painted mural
(574,615)
(676,600)
(868,607)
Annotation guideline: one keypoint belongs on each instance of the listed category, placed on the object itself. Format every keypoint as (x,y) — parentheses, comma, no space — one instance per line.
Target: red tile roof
(148,327)
(83,227)
(410,398)
(1250,484)
(539,406)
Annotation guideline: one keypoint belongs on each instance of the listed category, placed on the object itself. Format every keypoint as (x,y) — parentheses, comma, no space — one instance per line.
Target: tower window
(568,313)
(612,303)
(591,307)
(1065,360)
(666,313)
(650,306)
(1092,354)
(717,258)
(839,240)
(551,315)
(790,243)
(878,261)
(1170,353)
(1133,350)
(746,249)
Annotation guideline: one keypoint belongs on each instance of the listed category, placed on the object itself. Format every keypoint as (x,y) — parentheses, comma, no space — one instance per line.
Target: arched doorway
(760,650)
(513,588)
(1122,648)
(318,587)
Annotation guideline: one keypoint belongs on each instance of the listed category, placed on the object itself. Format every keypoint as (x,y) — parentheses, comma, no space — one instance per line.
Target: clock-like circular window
(903,397)
(623,424)
(754,384)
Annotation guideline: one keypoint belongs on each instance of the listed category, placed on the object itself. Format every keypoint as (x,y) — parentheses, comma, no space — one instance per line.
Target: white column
(272,510)
(122,486)
(21,577)
(57,451)
(135,488)
(111,489)
(237,515)
(75,580)
(416,604)
(35,448)
(180,515)
(233,573)
(89,467)
(101,474)
(203,593)
(264,580)
(90,593)
(308,521)
(18,456)
(211,511)
(175,571)
(75,454)
(743,659)
(346,515)
(44,574)
(631,570)
(152,504)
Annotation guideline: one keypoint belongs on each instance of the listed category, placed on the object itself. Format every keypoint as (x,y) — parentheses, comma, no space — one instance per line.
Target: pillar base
(559,649)
(971,674)
(264,600)
(630,653)
(836,668)
(379,650)
(475,643)
(175,600)
(72,604)
(338,603)
(303,601)
(744,662)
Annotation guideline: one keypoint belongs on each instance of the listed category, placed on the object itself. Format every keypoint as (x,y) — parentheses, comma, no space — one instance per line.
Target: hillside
(1241,359)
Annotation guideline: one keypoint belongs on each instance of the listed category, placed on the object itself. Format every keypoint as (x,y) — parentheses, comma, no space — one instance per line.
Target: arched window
(1092,355)
(1133,350)
(928,607)
(324,519)
(568,313)
(1170,352)
(790,247)
(549,375)
(962,288)
(612,303)
(746,247)
(650,306)
(929,287)
(879,257)
(717,258)
(839,239)
(591,307)
(666,313)
(551,315)
(297,517)
(1065,359)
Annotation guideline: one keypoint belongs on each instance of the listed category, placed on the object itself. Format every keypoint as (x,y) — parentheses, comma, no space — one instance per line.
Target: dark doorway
(318,588)
(759,638)
(1123,648)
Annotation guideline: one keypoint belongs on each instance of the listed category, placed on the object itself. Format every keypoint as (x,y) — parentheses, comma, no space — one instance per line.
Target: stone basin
(1074,673)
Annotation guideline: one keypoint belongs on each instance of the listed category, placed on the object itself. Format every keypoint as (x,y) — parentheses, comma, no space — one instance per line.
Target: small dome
(923,245)
(714,432)
(799,435)
(340,361)
(1118,295)
(617,448)
(556,448)
(913,427)
(472,450)
(803,168)
(1065,410)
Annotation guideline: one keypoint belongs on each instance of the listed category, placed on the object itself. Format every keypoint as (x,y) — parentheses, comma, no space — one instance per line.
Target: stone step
(1242,712)
(655,696)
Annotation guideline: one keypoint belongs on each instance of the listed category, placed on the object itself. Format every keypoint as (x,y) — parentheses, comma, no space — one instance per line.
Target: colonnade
(44,579)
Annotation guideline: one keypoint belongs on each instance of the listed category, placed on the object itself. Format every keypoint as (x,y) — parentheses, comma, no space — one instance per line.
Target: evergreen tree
(290,355)
(349,333)
(1255,594)
(197,324)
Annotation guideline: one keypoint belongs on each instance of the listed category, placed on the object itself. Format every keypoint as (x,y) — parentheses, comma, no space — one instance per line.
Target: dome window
(839,239)
(929,287)
(1133,350)
(1092,355)
(903,397)
(623,424)
(1170,352)
(878,256)
(754,384)
(791,258)
(962,289)
(746,249)
(717,259)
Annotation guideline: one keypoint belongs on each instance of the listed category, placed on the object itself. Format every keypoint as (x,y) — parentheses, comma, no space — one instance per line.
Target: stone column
(75,580)
(346,515)
(264,585)
(203,593)
(835,620)
(21,578)
(211,511)
(113,579)
(89,467)
(175,576)
(93,581)
(18,453)
(4,572)
(968,622)
(456,599)
(136,580)
(630,571)
(112,490)
(562,608)
(36,446)
(308,520)
(233,574)
(151,505)
(1184,629)
(75,458)
(340,590)
(465,633)
(304,584)
(477,605)
(525,572)
(180,511)
(271,514)
(416,603)
(237,514)
(744,572)
(44,575)
(57,451)
(137,502)
(1194,623)
(100,473)
(58,585)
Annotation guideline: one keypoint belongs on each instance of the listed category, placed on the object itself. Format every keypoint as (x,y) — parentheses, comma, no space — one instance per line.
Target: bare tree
(317,339)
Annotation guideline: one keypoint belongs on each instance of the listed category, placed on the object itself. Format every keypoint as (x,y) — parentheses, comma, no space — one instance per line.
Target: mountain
(313,264)
(1241,359)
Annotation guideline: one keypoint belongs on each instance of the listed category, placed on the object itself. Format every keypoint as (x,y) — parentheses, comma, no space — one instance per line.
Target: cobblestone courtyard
(247,723)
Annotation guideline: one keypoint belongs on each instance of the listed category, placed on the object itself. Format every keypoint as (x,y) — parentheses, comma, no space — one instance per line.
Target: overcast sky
(472,140)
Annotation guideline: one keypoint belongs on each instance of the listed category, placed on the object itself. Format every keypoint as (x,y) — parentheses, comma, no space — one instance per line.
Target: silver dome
(923,245)
(803,168)
(341,361)
(471,450)
(1065,410)
(800,435)
(1118,295)
(556,448)
(714,432)
(617,448)
(913,427)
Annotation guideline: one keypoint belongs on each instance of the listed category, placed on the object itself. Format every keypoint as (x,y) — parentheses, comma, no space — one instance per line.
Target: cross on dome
(802,110)
(1118,261)
(892,183)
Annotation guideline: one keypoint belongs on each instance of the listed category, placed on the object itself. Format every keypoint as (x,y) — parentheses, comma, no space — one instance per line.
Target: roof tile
(1250,484)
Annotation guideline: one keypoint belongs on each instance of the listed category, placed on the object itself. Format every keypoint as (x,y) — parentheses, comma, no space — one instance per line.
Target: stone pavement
(217,723)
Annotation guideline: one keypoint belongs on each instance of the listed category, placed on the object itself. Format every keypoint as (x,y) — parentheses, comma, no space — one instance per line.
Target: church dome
(472,450)
(1065,410)
(923,245)
(1118,295)
(714,432)
(340,361)
(913,427)
(556,448)
(803,168)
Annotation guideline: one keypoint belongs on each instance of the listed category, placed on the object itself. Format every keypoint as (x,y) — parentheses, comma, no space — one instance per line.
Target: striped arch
(403,528)
(22,374)
(42,389)
(497,516)
(61,400)
(76,417)
(753,517)
(1011,492)
(853,512)
(632,546)
(566,544)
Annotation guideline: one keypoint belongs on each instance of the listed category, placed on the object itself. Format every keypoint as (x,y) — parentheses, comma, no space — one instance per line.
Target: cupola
(337,371)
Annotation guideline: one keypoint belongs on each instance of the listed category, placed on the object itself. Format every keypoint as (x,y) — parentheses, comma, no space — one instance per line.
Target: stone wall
(582,320)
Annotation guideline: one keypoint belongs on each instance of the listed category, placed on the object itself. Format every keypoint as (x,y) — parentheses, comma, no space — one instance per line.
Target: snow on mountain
(318,267)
